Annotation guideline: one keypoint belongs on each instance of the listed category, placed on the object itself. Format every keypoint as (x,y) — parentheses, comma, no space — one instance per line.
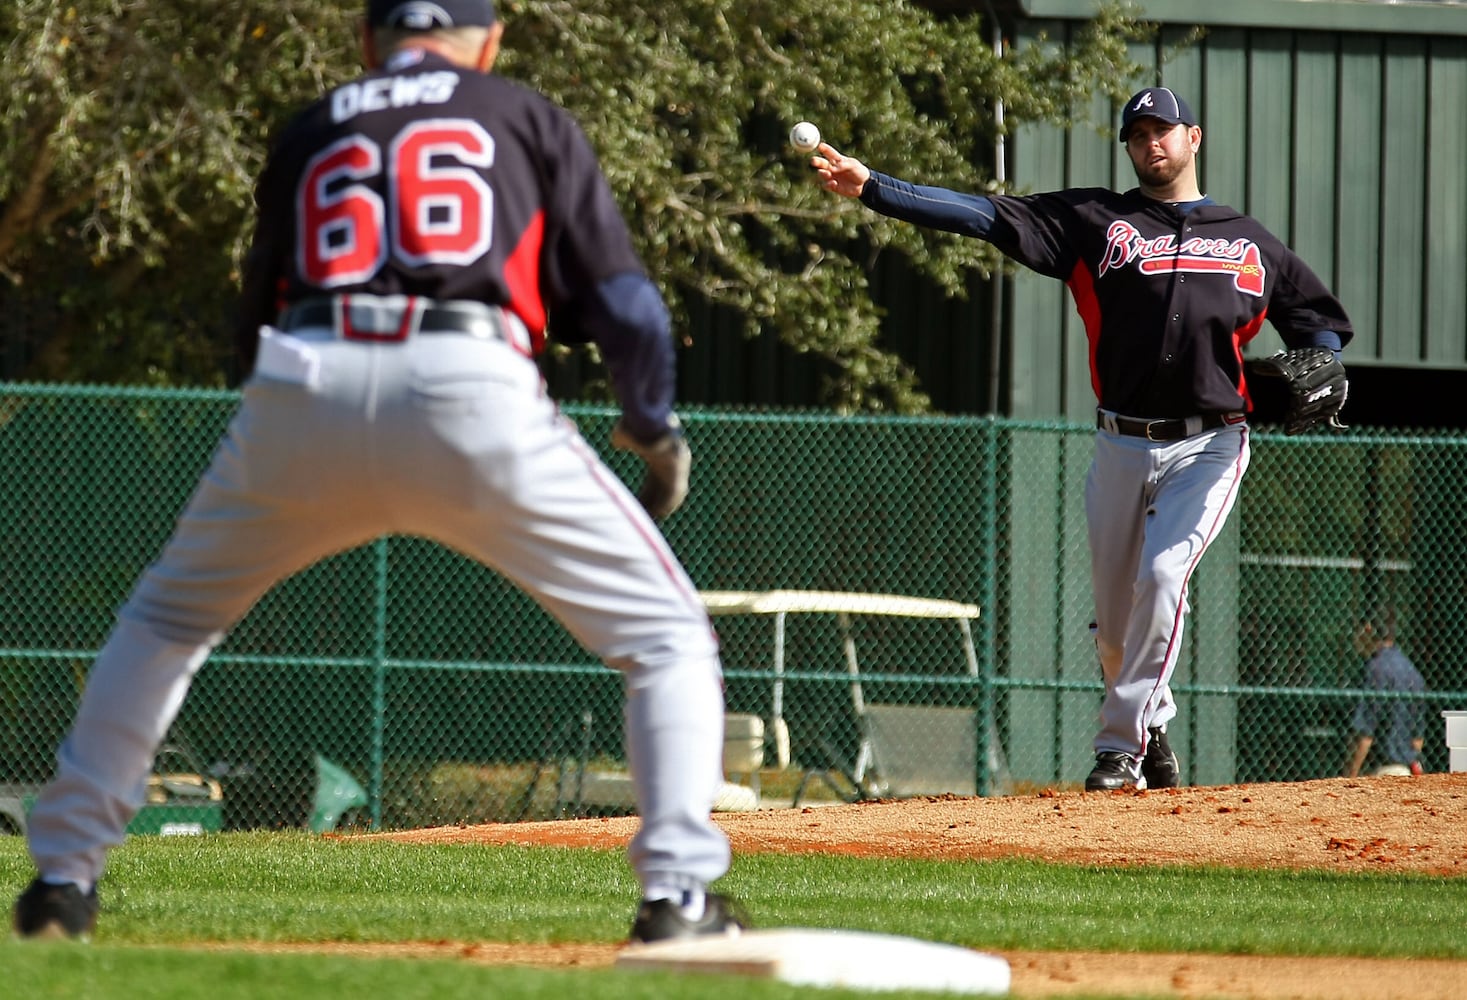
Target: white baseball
(804,137)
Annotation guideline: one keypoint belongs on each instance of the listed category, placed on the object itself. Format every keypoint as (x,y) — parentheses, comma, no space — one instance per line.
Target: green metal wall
(1339,125)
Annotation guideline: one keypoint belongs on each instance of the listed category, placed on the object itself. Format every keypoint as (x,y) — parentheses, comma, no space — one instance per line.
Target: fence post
(379,685)
(987,591)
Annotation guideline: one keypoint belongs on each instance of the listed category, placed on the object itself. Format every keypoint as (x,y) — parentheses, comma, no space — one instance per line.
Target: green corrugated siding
(1359,209)
(1313,178)
(1446,199)
(1347,140)
(1043,322)
(1403,206)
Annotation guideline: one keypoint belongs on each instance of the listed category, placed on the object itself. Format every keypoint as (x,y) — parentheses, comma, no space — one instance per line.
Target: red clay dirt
(1345,825)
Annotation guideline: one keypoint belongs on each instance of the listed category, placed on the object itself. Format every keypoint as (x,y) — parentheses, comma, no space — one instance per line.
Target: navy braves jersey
(1168,297)
(421,178)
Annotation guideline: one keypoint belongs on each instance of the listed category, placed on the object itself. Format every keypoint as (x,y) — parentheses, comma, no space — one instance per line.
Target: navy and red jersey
(423,178)
(1168,297)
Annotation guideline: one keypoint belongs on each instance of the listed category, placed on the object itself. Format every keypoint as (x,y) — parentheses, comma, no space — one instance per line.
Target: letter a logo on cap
(1145,102)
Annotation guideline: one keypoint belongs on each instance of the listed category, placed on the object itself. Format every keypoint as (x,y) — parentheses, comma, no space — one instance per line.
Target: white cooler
(1456,740)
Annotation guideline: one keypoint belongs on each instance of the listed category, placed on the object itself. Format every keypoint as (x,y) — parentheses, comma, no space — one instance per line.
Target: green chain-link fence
(451,697)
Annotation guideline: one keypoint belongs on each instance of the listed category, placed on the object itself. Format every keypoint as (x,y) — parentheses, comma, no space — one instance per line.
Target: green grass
(163,894)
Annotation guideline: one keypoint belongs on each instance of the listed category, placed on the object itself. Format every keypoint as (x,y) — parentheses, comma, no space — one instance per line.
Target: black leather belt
(388,319)
(1170,429)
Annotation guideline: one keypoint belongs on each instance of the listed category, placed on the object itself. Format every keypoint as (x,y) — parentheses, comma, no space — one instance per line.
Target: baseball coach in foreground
(419,230)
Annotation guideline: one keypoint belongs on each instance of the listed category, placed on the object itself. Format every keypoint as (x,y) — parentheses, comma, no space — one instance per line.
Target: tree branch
(18,218)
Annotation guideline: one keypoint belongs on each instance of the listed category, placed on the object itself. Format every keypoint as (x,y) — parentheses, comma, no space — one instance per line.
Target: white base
(1458,761)
(855,960)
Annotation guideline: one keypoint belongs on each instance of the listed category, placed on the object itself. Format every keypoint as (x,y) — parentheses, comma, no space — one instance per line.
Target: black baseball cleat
(663,920)
(1113,770)
(1160,766)
(55,911)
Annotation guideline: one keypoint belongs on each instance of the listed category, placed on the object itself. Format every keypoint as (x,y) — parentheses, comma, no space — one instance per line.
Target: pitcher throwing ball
(416,228)
(1170,285)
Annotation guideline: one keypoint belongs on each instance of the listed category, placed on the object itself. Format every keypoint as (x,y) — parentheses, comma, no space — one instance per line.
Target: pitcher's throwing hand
(845,175)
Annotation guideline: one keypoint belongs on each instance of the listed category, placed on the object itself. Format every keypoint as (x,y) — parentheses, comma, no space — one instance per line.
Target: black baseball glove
(1314,383)
(668,461)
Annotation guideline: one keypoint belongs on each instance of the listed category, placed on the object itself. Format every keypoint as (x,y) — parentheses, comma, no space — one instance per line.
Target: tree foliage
(127,160)
(127,157)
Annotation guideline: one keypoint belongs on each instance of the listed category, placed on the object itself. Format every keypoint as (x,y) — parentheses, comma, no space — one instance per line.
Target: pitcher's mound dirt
(1357,825)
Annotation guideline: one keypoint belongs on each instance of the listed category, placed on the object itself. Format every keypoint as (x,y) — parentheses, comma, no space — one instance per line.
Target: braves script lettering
(1162,255)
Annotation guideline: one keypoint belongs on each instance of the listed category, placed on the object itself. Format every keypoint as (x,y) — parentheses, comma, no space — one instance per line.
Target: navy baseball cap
(426,15)
(1156,102)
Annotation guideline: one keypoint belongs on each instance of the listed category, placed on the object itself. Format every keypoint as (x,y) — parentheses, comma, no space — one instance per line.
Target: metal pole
(1000,174)
(988,590)
(779,729)
(379,687)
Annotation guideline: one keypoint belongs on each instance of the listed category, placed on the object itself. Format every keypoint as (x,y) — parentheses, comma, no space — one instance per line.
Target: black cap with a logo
(1156,102)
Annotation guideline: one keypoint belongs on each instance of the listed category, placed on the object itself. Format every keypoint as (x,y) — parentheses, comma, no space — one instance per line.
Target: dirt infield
(1372,824)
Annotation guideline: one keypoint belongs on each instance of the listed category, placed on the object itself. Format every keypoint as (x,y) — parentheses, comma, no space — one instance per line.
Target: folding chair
(908,749)
(922,749)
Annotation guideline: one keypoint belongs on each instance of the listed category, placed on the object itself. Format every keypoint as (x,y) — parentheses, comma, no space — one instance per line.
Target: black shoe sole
(661,920)
(1108,786)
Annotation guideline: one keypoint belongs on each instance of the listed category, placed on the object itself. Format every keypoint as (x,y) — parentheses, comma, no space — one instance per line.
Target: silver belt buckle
(378,318)
(1150,424)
